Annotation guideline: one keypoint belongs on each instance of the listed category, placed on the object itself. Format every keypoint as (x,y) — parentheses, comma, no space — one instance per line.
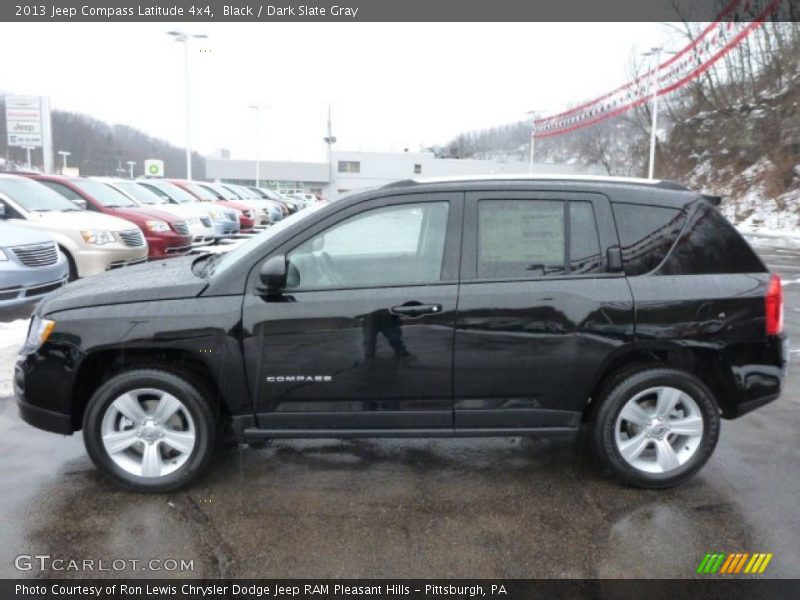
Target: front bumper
(167,244)
(201,235)
(94,260)
(226,229)
(20,284)
(41,418)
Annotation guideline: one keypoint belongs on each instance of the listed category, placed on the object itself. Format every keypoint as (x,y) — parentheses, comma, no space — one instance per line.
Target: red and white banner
(714,42)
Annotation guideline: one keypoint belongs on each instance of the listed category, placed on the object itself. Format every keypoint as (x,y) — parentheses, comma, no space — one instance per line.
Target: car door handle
(415,309)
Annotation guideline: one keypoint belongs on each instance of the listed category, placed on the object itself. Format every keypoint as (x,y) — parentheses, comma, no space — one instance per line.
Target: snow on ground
(12,336)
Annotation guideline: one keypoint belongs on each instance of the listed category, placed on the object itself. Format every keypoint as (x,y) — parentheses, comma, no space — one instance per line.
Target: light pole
(257,108)
(655,52)
(131,164)
(330,140)
(183,38)
(64,154)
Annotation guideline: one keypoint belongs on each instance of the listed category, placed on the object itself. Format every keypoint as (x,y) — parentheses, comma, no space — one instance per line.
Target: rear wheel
(149,430)
(656,427)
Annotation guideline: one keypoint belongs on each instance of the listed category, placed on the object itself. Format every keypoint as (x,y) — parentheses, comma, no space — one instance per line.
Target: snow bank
(12,336)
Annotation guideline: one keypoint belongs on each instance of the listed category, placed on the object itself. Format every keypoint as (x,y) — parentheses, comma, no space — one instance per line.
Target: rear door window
(520,238)
(524,239)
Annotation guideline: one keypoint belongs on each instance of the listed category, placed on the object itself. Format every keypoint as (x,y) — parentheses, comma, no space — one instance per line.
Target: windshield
(175,192)
(34,197)
(200,192)
(233,192)
(215,192)
(139,193)
(246,193)
(254,243)
(105,195)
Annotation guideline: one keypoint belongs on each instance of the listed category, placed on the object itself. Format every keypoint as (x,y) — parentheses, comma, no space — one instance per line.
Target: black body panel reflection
(526,348)
(345,351)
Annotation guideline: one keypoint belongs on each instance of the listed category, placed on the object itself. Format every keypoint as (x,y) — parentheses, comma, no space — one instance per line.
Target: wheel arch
(706,363)
(99,366)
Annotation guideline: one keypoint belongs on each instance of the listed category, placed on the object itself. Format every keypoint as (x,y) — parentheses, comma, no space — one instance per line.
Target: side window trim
(604,224)
(452,246)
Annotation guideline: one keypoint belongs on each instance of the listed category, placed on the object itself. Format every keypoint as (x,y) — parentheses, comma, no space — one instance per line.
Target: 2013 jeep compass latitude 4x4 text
(497,307)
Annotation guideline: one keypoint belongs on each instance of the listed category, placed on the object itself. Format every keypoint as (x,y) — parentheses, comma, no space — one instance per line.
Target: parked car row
(55,229)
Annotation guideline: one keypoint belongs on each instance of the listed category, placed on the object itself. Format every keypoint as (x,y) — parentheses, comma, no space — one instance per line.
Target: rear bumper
(760,379)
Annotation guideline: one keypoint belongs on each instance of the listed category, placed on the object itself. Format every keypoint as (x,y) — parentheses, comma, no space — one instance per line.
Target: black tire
(193,400)
(613,401)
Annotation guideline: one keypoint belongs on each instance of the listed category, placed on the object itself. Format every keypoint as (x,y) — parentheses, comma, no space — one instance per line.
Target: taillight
(773,304)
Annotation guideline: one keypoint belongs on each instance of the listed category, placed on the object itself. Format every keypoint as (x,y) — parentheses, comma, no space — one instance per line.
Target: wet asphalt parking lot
(508,508)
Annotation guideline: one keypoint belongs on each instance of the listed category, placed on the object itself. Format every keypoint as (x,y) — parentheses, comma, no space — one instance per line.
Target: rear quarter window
(710,244)
(646,234)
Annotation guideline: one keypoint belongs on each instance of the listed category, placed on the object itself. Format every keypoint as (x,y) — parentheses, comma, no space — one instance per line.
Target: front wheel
(656,427)
(149,430)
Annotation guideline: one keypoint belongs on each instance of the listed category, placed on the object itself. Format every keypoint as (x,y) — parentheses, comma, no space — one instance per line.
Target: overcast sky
(391,86)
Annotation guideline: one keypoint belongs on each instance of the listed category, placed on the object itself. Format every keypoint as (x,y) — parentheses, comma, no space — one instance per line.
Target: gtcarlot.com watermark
(47,562)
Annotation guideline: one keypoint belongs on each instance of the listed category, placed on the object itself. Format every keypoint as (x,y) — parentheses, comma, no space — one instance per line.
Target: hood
(181,211)
(19,235)
(77,220)
(144,213)
(170,279)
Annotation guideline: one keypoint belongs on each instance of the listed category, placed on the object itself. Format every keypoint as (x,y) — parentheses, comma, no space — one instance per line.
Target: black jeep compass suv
(494,307)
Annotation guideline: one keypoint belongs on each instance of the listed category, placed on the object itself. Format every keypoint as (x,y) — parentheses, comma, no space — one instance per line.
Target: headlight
(156,226)
(216,215)
(250,213)
(3,255)
(38,333)
(98,237)
(192,220)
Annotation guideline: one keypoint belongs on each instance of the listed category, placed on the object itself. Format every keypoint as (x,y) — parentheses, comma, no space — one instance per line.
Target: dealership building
(353,171)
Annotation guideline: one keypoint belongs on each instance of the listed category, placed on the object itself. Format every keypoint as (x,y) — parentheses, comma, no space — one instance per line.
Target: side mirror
(2,211)
(273,275)
(80,203)
(614,260)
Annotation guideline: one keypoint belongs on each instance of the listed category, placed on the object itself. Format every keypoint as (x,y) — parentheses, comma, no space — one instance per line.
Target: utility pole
(330,140)
(131,164)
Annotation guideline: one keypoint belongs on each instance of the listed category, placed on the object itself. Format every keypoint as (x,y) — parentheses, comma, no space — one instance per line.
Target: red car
(247,217)
(165,233)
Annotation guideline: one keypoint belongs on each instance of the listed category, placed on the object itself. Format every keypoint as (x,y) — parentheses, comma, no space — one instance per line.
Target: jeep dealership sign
(28,125)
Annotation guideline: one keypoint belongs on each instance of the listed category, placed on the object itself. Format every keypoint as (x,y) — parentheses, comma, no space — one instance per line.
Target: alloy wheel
(148,432)
(659,429)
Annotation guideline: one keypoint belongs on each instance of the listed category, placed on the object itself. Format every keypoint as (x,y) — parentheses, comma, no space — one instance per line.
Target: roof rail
(656,183)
